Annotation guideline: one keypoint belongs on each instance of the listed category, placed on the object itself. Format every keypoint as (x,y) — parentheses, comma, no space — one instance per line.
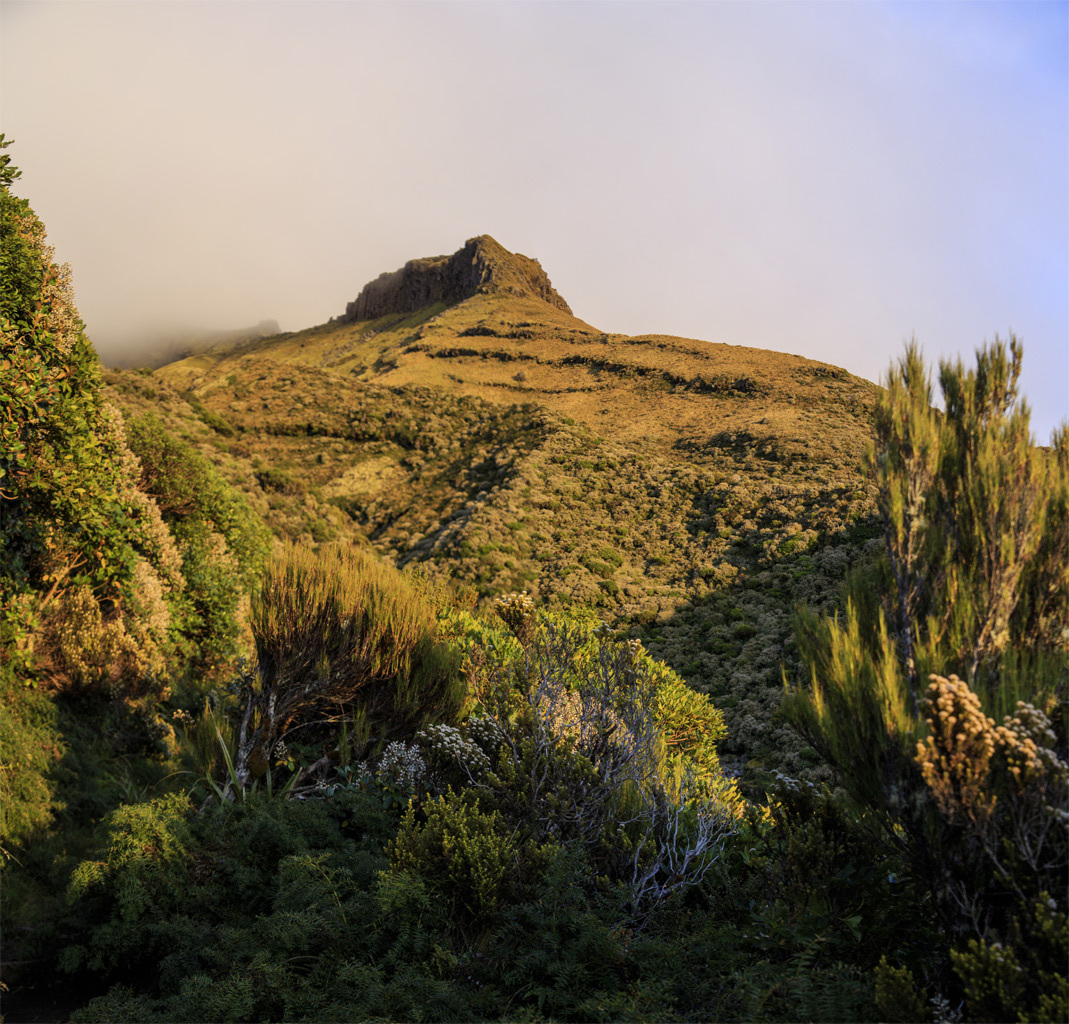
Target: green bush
(30,745)
(466,850)
(222,542)
(249,914)
(340,634)
(593,742)
(88,571)
(972,514)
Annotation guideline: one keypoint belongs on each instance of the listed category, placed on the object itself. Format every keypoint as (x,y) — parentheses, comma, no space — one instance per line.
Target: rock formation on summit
(482,266)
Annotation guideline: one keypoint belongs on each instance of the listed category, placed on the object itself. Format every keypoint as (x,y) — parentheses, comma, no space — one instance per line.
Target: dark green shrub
(222,542)
(279,480)
(30,745)
(251,913)
(466,850)
(210,419)
(340,634)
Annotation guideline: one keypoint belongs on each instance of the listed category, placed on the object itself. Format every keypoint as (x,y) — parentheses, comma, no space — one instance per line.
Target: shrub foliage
(976,578)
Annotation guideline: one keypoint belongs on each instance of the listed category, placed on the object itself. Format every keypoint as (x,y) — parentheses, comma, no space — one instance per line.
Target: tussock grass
(340,634)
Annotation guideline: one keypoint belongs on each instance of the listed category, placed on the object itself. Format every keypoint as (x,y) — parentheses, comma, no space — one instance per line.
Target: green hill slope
(694,492)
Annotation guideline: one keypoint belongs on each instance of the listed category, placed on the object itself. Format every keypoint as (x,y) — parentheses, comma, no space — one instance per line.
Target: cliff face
(482,266)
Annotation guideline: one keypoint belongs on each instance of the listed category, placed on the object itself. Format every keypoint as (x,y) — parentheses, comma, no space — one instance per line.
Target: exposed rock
(482,266)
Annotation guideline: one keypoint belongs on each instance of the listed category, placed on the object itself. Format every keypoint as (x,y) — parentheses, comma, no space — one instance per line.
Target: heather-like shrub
(339,635)
(468,850)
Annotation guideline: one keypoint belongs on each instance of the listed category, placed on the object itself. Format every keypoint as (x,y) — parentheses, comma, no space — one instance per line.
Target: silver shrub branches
(577,756)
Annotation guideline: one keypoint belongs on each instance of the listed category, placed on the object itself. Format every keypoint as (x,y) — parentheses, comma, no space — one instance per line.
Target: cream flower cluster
(401,766)
(1026,738)
(515,610)
(447,744)
(956,759)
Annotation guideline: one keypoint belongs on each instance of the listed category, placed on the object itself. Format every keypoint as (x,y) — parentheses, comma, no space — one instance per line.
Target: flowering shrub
(517,612)
(1005,784)
(591,741)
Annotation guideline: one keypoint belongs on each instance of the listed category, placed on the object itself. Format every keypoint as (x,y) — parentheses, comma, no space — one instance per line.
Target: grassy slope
(695,492)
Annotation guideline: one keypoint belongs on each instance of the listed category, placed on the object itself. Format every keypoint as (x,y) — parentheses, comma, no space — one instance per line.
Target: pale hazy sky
(824,179)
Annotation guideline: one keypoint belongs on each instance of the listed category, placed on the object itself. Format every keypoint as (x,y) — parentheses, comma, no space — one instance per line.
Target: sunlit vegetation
(472,664)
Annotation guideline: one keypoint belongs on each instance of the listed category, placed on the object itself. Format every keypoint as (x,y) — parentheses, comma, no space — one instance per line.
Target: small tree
(974,583)
(975,577)
(75,529)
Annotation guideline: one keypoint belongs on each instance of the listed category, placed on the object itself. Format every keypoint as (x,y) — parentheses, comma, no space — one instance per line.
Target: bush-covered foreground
(402,808)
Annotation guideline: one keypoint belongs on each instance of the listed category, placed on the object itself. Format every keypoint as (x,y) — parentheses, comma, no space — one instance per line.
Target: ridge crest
(482,266)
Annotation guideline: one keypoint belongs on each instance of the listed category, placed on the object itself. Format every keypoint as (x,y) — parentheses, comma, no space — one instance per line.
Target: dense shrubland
(699,547)
(305,785)
(125,568)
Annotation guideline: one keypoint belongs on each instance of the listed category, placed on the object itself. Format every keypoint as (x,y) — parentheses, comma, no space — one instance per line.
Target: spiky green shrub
(975,578)
(341,635)
(974,583)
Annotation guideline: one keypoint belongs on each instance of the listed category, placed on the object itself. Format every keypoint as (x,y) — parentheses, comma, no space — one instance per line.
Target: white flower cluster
(791,784)
(446,743)
(401,767)
(484,731)
(944,1014)
(1027,738)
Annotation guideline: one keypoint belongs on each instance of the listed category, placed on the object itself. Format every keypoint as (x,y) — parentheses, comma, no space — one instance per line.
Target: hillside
(694,492)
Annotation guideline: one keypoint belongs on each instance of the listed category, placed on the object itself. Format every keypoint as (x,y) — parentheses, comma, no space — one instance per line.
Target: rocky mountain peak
(482,266)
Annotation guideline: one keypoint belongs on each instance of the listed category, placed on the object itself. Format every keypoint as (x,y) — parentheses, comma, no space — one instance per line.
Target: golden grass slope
(693,492)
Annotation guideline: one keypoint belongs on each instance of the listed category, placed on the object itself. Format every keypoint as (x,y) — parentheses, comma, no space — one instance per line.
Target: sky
(826,179)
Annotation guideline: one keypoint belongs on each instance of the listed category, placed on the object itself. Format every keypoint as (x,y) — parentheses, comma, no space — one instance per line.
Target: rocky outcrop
(482,266)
